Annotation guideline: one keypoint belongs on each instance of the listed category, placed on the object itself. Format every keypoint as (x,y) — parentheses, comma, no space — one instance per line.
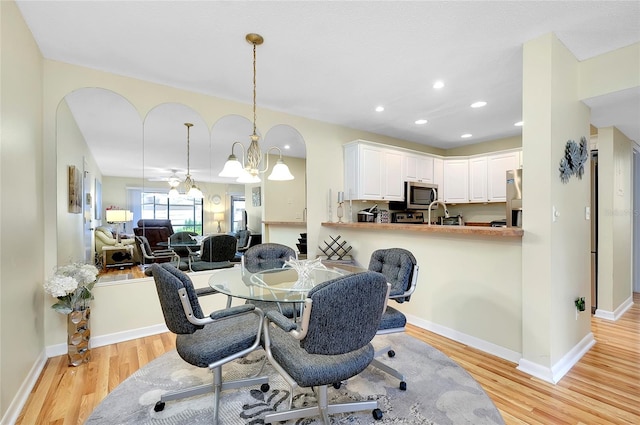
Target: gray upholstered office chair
(267,256)
(331,344)
(206,341)
(400,268)
(216,252)
(149,257)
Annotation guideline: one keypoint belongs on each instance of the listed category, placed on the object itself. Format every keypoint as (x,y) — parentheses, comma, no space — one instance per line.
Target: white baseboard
(18,402)
(555,373)
(472,341)
(617,313)
(99,341)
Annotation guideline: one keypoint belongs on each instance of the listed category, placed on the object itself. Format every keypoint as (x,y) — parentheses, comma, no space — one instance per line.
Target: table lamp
(218,217)
(117,217)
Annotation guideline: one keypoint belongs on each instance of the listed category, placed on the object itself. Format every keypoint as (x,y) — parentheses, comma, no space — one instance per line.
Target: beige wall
(21,209)
(615,207)
(556,253)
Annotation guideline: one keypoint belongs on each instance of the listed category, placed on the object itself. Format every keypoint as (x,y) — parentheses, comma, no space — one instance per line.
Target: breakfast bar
(500,232)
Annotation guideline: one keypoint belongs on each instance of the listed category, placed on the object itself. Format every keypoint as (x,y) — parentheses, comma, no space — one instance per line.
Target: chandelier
(189,184)
(247,171)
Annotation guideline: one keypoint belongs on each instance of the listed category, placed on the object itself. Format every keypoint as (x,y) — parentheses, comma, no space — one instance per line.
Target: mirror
(114,129)
(124,155)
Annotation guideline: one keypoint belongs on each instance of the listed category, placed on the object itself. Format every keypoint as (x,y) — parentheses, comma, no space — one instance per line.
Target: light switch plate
(587,213)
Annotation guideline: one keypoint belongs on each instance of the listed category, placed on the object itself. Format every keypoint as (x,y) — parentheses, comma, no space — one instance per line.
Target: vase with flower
(72,285)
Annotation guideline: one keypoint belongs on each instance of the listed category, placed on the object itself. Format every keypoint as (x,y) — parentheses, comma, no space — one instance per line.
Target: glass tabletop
(274,285)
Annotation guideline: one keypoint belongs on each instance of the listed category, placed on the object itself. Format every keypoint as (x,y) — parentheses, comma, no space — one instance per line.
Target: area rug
(115,277)
(438,392)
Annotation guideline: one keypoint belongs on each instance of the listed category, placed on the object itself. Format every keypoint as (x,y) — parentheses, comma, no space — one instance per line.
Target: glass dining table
(279,285)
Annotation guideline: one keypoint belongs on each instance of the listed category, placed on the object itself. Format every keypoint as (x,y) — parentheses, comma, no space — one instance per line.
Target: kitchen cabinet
(418,168)
(478,179)
(497,166)
(438,176)
(456,180)
(373,172)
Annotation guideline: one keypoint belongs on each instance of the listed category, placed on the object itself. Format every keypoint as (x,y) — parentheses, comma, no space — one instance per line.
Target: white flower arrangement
(72,285)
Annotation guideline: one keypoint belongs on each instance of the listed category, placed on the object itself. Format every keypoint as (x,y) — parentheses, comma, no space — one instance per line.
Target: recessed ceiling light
(420,122)
(287,147)
(380,109)
(438,84)
(478,104)
(466,135)
(519,124)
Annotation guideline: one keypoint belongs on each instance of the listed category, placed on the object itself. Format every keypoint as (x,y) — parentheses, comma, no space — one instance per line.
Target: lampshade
(280,172)
(232,168)
(118,216)
(247,177)
(218,216)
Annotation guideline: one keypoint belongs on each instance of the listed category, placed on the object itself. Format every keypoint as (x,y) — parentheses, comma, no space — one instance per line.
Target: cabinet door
(456,180)
(370,175)
(418,168)
(497,166)
(438,176)
(478,179)
(392,176)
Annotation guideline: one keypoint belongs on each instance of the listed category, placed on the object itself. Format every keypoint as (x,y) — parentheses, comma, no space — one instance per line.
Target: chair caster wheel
(391,353)
(403,386)
(337,385)
(264,388)
(159,407)
(377,414)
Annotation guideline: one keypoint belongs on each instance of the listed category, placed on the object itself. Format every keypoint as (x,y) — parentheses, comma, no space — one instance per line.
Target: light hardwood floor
(603,388)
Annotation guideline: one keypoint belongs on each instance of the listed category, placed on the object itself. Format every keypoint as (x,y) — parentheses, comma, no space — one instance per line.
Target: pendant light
(189,183)
(248,172)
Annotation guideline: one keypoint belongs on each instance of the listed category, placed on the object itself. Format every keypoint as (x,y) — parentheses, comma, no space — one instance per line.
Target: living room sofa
(105,235)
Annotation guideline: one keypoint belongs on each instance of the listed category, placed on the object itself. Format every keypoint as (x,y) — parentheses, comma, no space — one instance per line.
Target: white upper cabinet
(478,179)
(373,172)
(456,180)
(418,168)
(438,176)
(497,166)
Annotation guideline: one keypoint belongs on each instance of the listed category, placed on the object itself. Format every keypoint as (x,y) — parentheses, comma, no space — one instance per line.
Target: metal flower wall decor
(575,156)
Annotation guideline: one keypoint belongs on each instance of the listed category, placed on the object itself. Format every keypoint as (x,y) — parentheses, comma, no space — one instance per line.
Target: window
(237,213)
(185,213)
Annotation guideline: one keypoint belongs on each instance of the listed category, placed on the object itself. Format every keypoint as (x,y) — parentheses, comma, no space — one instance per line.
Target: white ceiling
(335,61)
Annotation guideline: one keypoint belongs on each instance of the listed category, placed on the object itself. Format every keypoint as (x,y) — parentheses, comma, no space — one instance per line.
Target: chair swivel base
(324,409)
(388,369)
(263,381)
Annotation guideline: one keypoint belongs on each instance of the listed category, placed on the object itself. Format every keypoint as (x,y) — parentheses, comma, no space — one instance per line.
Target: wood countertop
(513,232)
(286,223)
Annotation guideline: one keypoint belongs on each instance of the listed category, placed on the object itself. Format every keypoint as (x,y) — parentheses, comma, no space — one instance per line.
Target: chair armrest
(281,321)
(233,311)
(216,315)
(201,292)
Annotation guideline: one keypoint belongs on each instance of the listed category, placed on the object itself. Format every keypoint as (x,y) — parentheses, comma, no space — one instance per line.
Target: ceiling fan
(173,180)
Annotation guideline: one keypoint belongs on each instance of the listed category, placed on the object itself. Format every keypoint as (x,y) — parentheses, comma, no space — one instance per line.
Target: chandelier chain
(254,88)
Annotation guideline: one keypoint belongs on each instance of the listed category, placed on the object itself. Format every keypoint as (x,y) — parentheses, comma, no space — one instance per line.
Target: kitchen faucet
(444,206)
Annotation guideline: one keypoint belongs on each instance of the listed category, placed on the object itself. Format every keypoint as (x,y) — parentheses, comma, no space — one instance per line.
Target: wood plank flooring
(603,388)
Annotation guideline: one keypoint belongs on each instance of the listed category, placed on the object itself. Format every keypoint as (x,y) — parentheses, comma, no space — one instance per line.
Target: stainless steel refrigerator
(594,231)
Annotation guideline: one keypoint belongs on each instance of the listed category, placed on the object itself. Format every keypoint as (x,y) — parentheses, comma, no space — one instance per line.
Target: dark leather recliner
(155,230)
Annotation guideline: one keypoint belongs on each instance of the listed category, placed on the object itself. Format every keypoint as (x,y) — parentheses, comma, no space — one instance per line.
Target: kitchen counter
(500,232)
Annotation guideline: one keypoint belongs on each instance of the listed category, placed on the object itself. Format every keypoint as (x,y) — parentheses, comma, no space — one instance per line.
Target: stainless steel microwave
(417,196)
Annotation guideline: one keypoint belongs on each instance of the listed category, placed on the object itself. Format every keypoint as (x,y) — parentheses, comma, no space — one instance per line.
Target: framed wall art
(75,190)
(256,196)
